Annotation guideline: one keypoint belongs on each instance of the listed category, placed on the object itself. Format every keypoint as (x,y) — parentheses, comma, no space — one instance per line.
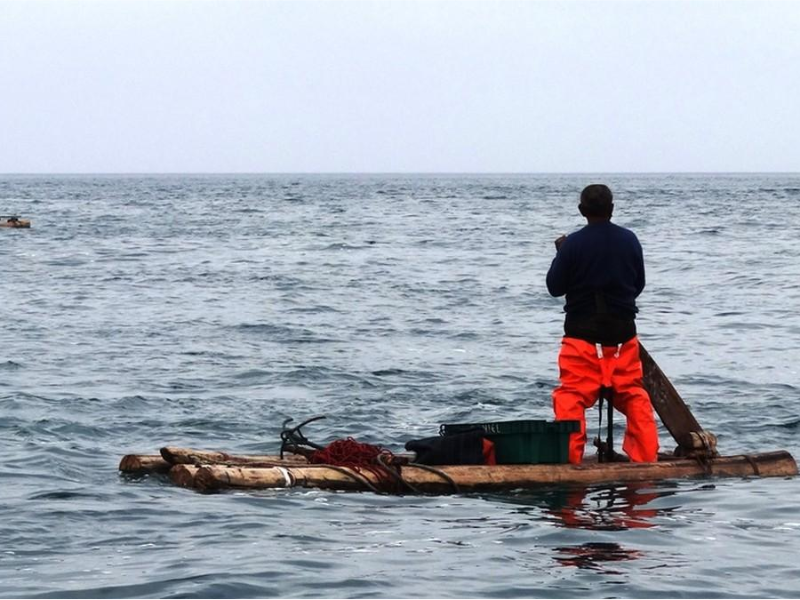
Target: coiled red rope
(360,457)
(348,453)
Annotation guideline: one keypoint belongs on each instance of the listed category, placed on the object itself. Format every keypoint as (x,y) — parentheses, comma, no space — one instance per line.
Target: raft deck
(211,471)
(204,470)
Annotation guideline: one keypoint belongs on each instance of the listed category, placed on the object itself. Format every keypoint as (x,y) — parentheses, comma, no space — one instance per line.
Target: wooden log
(141,464)
(667,402)
(183,475)
(496,478)
(189,456)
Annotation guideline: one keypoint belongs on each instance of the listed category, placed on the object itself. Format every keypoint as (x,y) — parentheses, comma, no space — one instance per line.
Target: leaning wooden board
(667,402)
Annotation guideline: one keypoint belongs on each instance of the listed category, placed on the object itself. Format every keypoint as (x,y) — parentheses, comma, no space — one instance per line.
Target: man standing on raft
(600,269)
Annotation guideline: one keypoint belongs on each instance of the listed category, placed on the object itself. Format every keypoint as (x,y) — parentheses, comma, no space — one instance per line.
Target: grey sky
(228,86)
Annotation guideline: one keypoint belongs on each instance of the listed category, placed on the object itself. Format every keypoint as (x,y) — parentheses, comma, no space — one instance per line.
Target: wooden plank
(667,402)
(496,477)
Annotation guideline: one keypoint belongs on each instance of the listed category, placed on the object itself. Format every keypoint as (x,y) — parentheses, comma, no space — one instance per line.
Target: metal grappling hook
(292,439)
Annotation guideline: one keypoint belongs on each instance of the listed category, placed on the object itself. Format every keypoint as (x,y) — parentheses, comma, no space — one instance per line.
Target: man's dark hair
(597,200)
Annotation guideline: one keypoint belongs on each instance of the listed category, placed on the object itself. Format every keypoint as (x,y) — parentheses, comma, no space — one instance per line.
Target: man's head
(597,202)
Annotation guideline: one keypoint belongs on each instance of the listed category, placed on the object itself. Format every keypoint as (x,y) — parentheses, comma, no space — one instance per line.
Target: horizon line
(296,173)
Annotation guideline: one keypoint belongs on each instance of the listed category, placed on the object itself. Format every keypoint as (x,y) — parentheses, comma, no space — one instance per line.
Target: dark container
(524,442)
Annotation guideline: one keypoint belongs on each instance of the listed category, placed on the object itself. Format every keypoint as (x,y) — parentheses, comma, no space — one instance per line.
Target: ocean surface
(203,311)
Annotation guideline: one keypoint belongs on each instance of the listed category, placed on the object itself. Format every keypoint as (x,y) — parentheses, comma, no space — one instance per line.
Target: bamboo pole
(496,478)
(143,463)
(189,456)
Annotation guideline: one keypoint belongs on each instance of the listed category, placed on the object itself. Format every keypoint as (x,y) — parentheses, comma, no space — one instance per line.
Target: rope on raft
(360,457)
(351,457)
(438,472)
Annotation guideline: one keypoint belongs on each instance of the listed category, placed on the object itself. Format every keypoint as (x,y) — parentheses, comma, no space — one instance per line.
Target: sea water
(204,311)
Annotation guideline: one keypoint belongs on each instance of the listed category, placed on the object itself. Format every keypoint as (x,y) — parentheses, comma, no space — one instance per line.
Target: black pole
(605,450)
(610,437)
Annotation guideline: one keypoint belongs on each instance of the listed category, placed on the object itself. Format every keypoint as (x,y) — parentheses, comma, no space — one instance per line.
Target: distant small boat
(14,222)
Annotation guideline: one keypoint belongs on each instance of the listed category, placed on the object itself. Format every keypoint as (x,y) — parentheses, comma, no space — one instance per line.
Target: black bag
(458,449)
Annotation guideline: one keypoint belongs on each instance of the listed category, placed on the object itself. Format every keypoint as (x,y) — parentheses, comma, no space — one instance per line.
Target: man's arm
(640,271)
(557,275)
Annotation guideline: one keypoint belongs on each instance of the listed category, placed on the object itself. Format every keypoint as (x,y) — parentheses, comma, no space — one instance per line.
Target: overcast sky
(493,86)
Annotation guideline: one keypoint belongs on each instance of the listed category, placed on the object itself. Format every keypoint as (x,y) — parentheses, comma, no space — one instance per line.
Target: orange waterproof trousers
(583,372)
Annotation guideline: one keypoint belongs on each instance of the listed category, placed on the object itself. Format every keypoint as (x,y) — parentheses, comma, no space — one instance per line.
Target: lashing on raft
(534,453)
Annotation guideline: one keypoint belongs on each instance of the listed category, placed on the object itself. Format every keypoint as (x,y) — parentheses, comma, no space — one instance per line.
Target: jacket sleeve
(557,276)
(640,280)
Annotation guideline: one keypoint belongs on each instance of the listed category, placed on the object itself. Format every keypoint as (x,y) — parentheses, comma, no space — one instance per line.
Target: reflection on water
(593,554)
(607,508)
(614,508)
(610,509)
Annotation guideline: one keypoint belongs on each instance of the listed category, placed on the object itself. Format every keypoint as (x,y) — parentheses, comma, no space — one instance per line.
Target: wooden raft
(210,471)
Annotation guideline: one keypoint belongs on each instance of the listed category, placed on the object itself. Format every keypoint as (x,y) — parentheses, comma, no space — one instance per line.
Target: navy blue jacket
(600,257)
